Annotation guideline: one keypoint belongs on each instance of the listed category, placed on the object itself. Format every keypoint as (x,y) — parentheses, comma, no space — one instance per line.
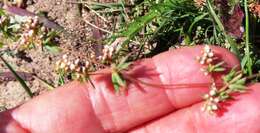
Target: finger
(66,110)
(240,116)
(115,113)
(9,125)
(142,104)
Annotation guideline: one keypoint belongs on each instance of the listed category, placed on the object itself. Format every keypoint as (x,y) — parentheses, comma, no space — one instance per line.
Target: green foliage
(117,74)
(247,58)
(234,82)
(12,30)
(173,23)
(216,68)
(61,79)
(118,81)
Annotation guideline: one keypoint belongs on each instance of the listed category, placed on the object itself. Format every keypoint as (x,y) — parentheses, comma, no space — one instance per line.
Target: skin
(77,108)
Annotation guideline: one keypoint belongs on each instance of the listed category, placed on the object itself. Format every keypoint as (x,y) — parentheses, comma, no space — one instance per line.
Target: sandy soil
(77,42)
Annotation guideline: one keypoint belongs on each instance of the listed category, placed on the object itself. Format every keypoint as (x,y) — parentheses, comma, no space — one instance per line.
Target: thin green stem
(247,49)
(222,28)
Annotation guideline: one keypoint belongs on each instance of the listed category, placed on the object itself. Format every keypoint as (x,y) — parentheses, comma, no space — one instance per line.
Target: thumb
(71,108)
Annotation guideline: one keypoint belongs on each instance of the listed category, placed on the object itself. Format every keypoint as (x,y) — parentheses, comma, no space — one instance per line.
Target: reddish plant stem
(166,86)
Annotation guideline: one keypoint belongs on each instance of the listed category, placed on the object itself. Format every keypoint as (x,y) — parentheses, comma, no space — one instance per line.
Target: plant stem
(222,28)
(247,49)
(167,86)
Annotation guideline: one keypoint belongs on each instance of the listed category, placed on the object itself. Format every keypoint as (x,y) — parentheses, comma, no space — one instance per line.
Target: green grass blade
(249,63)
(232,43)
(18,78)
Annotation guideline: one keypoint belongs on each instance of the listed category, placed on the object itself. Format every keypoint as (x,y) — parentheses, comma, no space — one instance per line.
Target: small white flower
(211,54)
(206,73)
(76,62)
(62,65)
(30,20)
(87,64)
(36,19)
(208,108)
(204,56)
(216,100)
(83,69)
(206,96)
(105,50)
(77,75)
(207,49)
(43,29)
(212,92)
(64,56)
(214,107)
(30,33)
(72,66)
(33,25)
(69,63)
(211,99)
(202,62)
(23,41)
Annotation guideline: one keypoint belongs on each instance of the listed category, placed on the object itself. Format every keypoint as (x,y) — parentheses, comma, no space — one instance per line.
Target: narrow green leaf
(124,66)
(196,20)
(61,80)
(230,40)
(21,81)
(139,23)
(241,81)
(220,69)
(117,81)
(235,87)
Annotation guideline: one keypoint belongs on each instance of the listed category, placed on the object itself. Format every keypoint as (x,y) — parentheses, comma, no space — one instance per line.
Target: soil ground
(76,42)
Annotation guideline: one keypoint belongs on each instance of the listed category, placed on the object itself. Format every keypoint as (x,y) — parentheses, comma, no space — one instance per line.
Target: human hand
(79,108)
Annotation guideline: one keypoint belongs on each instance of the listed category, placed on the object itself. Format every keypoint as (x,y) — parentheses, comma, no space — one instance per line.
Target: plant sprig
(234,82)
(117,76)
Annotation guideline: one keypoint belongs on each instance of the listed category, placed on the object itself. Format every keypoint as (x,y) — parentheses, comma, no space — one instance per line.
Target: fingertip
(10,125)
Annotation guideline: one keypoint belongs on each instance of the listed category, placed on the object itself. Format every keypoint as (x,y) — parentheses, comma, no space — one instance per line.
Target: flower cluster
(210,61)
(107,52)
(33,33)
(233,82)
(212,100)
(255,9)
(207,56)
(77,69)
